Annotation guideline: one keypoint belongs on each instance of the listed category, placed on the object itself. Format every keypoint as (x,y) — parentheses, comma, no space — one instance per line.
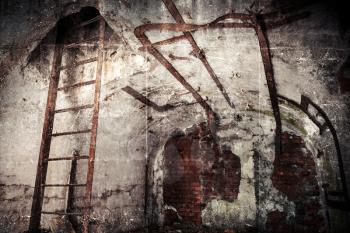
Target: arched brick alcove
(196,172)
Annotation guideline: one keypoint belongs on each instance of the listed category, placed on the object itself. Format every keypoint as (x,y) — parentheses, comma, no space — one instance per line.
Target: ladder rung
(67,158)
(74,108)
(79,63)
(76,85)
(61,185)
(87,22)
(61,213)
(70,132)
(80,43)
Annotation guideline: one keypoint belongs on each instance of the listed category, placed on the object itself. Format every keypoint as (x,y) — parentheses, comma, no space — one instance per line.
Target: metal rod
(73,65)
(166,41)
(79,43)
(60,213)
(87,22)
(74,108)
(76,85)
(92,149)
(61,185)
(270,80)
(71,132)
(140,34)
(197,51)
(35,216)
(143,99)
(67,158)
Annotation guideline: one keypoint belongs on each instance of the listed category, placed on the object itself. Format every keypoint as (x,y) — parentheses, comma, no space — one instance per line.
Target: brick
(294,174)
(201,177)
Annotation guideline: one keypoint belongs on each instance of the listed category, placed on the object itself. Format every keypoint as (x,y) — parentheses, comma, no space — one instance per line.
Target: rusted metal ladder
(47,134)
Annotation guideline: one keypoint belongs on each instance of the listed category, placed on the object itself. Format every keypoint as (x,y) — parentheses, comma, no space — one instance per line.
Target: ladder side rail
(92,148)
(41,173)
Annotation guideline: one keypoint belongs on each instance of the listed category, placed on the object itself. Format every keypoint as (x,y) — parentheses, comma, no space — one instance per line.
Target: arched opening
(194,174)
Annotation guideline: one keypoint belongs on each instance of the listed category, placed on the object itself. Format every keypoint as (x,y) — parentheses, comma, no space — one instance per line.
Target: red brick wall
(195,172)
(182,185)
(294,175)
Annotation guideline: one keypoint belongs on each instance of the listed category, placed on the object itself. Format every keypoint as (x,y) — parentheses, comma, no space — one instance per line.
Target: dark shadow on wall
(344,76)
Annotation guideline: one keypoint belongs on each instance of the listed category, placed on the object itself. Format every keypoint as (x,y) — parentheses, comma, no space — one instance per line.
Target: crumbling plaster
(130,133)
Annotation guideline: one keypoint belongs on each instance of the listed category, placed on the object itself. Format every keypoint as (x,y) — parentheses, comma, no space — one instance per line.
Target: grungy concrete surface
(130,169)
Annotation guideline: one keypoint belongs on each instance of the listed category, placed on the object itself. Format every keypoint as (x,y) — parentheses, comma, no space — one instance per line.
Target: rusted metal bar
(74,108)
(143,99)
(244,18)
(81,43)
(65,88)
(139,33)
(35,216)
(270,80)
(61,185)
(87,22)
(92,149)
(166,41)
(185,27)
(71,132)
(60,213)
(66,158)
(73,65)
(197,51)
(215,24)
(170,40)
(247,21)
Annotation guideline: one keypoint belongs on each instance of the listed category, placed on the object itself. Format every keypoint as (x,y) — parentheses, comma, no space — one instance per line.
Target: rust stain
(173,57)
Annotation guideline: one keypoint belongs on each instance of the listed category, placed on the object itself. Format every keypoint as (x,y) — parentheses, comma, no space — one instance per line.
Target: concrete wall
(306,55)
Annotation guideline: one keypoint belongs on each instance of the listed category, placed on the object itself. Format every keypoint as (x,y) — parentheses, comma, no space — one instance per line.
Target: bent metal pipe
(258,22)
